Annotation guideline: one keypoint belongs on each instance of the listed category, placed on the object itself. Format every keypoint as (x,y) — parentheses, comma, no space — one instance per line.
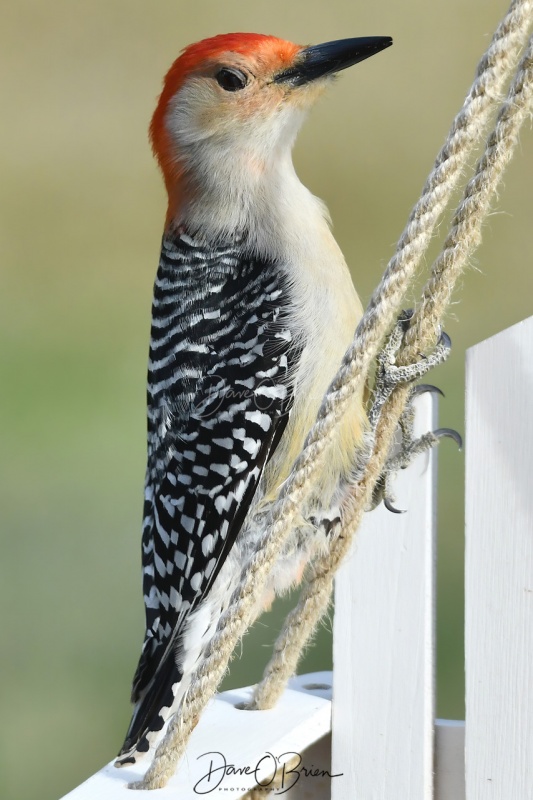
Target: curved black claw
(422,388)
(445,340)
(450,434)
(406,315)
(388,505)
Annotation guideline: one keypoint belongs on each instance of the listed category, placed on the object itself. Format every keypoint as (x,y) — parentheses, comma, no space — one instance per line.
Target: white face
(229,131)
(234,109)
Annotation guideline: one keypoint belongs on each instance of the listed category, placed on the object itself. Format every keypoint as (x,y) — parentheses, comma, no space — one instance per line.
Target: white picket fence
(378,737)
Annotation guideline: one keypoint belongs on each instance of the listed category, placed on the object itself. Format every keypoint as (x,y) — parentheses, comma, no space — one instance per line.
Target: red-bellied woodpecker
(253,310)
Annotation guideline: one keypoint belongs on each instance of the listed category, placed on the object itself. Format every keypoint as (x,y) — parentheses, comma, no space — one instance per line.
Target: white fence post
(384,645)
(499,567)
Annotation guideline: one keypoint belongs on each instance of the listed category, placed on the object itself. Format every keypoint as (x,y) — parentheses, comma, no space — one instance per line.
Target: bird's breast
(324,312)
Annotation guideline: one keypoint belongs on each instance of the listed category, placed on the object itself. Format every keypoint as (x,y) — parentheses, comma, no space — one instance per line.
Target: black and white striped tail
(150,714)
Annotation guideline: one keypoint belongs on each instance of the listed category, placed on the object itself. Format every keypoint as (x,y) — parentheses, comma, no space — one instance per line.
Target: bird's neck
(247,195)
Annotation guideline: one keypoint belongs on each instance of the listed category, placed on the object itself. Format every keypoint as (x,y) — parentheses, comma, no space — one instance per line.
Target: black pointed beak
(325,59)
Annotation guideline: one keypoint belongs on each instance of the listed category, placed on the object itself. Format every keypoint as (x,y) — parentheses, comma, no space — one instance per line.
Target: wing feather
(219,393)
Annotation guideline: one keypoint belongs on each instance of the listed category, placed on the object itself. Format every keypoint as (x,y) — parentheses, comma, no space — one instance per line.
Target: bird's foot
(408,448)
(388,376)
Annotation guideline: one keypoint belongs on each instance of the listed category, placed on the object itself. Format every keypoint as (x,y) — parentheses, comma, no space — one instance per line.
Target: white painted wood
(499,567)
(384,642)
(317,788)
(245,739)
(449,760)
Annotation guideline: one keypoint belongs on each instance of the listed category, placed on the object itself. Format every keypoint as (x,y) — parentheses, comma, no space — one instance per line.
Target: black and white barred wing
(219,396)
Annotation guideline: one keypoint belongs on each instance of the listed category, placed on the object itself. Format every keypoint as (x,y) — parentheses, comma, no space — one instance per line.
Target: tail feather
(151,712)
(146,669)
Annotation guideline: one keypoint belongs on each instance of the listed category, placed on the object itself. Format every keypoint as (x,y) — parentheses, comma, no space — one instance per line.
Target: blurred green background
(82,209)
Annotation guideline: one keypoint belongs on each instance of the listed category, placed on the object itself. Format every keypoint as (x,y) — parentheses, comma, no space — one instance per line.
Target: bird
(253,310)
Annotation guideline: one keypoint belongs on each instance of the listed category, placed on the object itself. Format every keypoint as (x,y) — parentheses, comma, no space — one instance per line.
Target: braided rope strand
(492,73)
(463,239)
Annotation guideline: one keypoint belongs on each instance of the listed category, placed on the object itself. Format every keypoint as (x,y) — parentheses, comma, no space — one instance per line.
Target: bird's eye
(232,80)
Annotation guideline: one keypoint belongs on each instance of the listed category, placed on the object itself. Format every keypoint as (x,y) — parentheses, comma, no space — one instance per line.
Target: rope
(464,237)
(492,72)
